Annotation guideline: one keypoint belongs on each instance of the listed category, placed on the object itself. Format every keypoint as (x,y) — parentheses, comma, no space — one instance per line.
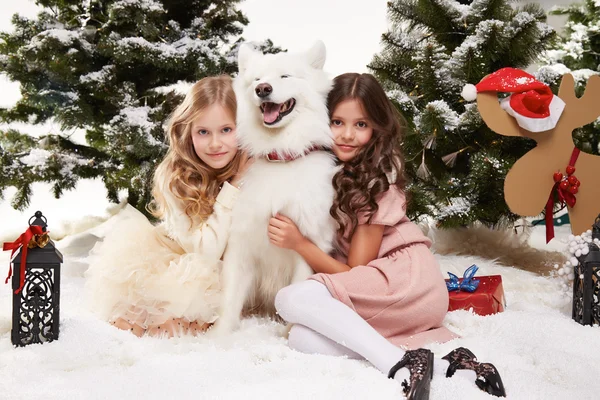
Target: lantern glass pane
(35,317)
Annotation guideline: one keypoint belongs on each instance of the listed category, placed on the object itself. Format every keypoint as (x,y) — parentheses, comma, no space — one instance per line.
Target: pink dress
(402,294)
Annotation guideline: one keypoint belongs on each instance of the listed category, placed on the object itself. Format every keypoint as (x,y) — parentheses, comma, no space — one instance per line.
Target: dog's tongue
(271,112)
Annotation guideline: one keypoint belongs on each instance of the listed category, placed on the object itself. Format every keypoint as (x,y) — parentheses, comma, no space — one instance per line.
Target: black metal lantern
(586,284)
(36,293)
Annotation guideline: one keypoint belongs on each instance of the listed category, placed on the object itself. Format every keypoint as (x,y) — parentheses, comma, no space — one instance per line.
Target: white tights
(324,325)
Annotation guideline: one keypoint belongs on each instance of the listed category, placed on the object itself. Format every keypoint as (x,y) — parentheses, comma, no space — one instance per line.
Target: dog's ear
(245,54)
(317,54)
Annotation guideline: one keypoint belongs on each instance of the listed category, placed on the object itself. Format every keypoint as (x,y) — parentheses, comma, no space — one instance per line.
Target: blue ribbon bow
(468,284)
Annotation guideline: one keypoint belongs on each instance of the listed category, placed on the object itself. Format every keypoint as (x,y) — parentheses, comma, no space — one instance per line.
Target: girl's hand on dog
(284,233)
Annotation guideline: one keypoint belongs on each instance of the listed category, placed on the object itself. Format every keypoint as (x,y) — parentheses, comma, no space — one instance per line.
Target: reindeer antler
(566,91)
(583,110)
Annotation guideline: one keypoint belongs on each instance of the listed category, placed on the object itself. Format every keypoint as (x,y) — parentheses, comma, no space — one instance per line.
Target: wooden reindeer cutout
(532,180)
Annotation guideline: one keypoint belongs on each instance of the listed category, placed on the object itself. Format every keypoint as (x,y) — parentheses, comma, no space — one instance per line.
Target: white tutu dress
(148,274)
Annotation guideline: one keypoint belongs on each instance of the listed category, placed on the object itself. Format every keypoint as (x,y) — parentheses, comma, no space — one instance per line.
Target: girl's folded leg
(305,340)
(309,303)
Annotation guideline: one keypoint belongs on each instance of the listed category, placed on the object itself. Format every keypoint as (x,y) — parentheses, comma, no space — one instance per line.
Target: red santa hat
(531,103)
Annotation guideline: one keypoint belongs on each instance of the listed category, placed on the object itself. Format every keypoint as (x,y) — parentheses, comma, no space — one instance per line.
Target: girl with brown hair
(164,279)
(382,291)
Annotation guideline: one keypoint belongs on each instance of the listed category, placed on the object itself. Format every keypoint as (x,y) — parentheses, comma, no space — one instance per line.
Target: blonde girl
(163,279)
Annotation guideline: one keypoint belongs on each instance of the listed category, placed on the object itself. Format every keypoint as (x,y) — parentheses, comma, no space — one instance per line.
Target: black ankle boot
(488,378)
(420,364)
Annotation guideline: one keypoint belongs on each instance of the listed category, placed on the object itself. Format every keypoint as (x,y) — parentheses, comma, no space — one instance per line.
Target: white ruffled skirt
(141,275)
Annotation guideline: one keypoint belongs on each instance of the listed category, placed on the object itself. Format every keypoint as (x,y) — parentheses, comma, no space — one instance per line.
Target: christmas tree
(456,164)
(577,52)
(112,69)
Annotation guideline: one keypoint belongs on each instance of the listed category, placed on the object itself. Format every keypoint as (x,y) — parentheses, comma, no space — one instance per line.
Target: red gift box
(487,299)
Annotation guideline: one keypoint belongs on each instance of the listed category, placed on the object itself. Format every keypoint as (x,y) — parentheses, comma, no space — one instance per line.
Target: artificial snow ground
(540,352)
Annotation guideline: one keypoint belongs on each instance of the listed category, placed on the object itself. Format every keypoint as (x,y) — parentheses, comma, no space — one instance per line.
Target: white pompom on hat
(531,103)
(469,92)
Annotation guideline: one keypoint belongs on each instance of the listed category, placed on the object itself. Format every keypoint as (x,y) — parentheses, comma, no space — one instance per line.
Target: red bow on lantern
(22,241)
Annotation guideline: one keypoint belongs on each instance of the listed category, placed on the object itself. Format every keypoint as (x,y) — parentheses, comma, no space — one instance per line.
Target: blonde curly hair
(182,172)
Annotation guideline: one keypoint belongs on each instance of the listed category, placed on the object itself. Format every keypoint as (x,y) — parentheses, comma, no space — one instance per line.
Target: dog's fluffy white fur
(254,269)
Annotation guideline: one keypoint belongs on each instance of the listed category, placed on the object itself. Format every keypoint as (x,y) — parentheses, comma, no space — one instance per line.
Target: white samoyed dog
(283,123)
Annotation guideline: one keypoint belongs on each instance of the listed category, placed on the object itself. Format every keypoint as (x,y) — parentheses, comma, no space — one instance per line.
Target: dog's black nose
(263,90)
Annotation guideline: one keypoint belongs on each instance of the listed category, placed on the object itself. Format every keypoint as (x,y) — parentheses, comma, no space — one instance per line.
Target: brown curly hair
(182,172)
(379,164)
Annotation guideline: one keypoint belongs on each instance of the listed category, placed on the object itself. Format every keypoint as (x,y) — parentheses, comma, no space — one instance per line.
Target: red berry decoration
(572,180)
(564,185)
(573,189)
(557,176)
(570,170)
(577,183)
